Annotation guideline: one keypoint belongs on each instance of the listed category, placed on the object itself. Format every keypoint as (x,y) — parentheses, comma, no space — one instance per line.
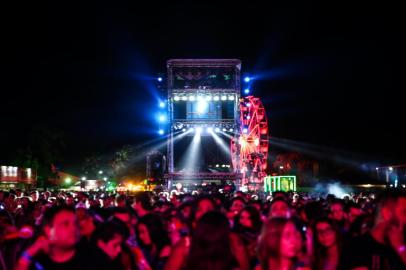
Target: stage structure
(213,133)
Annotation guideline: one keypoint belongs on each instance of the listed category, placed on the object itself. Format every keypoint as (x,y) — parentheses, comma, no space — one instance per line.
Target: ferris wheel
(250,150)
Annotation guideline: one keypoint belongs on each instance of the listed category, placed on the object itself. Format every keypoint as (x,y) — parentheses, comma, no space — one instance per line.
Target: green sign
(280,183)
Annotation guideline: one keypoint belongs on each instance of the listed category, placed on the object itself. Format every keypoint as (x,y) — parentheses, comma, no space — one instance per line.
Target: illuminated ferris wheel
(250,150)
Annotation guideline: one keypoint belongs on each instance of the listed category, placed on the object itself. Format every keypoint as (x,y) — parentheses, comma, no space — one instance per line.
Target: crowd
(203,230)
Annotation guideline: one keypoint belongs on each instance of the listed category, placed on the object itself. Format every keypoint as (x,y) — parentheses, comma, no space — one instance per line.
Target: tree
(43,149)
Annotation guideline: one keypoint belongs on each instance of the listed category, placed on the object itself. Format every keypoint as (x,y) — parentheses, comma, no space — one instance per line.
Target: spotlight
(216,98)
(245,130)
(161,132)
(231,130)
(230,97)
(176,98)
(192,98)
(247,79)
(199,98)
(376,168)
(162,104)
(217,129)
(159,79)
(191,129)
(224,129)
(208,98)
(184,129)
(83,178)
(202,106)
(209,130)
(390,168)
(162,118)
(199,130)
(247,91)
(248,104)
(184,98)
(248,117)
(223,97)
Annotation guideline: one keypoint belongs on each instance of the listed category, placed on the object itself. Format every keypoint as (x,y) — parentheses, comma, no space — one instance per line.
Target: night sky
(331,71)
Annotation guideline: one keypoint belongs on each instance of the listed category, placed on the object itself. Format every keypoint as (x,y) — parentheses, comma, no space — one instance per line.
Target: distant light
(376,168)
(231,130)
(223,165)
(100,172)
(159,79)
(68,180)
(248,104)
(209,130)
(161,104)
(192,98)
(224,129)
(281,167)
(248,117)
(217,129)
(216,98)
(217,165)
(176,98)
(223,97)
(245,130)
(184,129)
(162,118)
(191,129)
(390,168)
(161,132)
(199,130)
(208,98)
(247,79)
(247,91)
(199,98)
(230,97)
(105,178)
(83,178)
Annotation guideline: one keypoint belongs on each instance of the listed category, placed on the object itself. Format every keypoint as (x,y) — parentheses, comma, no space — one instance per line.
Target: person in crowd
(338,214)
(280,244)
(327,245)
(56,247)
(212,246)
(121,201)
(247,226)
(353,211)
(153,240)
(236,206)
(279,208)
(361,225)
(384,246)
(86,225)
(202,205)
(142,204)
(106,246)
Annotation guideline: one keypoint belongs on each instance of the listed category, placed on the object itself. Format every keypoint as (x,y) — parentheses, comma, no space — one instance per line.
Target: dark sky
(331,69)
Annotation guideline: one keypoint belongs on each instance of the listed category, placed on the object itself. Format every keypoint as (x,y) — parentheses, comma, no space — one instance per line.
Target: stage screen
(203,110)
(210,77)
(202,154)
